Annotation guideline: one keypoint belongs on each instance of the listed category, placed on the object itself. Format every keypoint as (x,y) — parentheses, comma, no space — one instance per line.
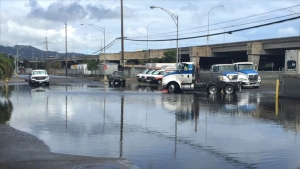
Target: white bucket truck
(248,74)
(184,79)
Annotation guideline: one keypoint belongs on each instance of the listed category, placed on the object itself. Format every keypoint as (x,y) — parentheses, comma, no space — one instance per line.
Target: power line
(106,11)
(227,26)
(164,34)
(229,32)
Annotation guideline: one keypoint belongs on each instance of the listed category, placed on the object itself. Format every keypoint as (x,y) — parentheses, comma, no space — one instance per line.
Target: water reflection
(156,130)
(6,109)
(6,106)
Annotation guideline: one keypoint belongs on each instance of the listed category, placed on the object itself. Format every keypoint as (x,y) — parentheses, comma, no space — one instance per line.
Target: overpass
(266,53)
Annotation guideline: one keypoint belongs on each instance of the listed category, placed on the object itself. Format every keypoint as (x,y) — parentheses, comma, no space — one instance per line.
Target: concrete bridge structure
(267,54)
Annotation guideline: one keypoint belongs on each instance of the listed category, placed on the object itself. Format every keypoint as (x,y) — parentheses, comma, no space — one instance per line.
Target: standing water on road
(155,130)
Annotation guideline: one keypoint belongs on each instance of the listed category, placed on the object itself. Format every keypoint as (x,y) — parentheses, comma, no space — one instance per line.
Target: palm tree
(6,66)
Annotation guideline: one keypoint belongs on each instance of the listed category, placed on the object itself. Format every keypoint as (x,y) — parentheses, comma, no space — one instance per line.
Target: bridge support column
(255,59)
(254,50)
(125,61)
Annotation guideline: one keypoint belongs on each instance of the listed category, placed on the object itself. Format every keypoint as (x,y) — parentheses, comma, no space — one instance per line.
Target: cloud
(189,7)
(102,12)
(33,4)
(287,31)
(57,12)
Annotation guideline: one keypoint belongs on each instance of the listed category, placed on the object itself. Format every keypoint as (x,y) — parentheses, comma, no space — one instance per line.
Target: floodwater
(156,130)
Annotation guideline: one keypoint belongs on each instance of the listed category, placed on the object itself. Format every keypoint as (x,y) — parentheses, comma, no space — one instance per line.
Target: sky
(93,23)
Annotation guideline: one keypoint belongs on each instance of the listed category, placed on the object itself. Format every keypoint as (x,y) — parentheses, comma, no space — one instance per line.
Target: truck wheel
(255,87)
(123,83)
(229,89)
(172,88)
(212,89)
(159,82)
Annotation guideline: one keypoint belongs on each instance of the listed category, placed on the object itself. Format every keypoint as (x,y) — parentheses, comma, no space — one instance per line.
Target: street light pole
(208,27)
(147,39)
(102,29)
(175,19)
(16,73)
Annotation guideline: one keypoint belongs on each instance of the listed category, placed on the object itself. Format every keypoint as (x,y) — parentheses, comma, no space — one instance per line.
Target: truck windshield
(226,68)
(155,72)
(180,66)
(39,73)
(150,72)
(145,71)
(245,67)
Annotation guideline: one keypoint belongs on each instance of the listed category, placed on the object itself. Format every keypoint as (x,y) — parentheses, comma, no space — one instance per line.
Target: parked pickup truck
(38,77)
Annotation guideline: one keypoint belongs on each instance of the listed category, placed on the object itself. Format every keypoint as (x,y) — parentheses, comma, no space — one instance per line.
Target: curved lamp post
(147,39)
(175,19)
(102,29)
(16,73)
(208,26)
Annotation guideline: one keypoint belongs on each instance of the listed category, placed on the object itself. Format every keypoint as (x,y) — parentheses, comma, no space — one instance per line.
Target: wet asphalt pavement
(22,150)
(78,121)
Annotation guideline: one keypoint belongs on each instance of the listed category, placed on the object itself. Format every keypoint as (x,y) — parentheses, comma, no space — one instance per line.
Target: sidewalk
(12,80)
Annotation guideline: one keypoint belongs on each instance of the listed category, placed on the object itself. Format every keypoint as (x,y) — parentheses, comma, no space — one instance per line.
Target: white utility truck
(248,74)
(185,79)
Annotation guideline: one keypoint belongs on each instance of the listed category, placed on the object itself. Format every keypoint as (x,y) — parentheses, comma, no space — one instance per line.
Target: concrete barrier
(268,78)
(289,86)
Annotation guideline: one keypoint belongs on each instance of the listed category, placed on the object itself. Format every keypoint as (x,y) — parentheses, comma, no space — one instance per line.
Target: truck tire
(173,88)
(255,87)
(229,89)
(212,89)
(123,83)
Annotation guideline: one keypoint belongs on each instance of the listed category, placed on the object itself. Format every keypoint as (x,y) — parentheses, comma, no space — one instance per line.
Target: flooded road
(156,130)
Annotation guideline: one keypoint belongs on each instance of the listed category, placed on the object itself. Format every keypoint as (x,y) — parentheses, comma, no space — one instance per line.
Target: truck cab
(228,70)
(248,74)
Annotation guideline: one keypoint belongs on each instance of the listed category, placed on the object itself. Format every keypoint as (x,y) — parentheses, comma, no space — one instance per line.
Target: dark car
(117,78)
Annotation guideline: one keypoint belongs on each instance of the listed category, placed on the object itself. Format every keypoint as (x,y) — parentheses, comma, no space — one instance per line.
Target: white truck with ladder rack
(185,79)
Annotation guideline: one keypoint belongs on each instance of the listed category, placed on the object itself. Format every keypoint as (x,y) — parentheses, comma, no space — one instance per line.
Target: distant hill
(29,53)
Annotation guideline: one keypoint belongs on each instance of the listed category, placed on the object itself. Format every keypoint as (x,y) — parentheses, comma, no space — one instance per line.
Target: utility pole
(47,47)
(47,67)
(122,37)
(66,50)
(32,53)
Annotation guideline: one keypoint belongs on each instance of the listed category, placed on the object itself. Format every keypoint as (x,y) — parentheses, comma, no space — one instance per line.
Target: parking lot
(152,129)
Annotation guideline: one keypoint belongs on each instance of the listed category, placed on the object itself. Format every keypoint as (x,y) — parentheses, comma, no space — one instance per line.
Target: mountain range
(32,53)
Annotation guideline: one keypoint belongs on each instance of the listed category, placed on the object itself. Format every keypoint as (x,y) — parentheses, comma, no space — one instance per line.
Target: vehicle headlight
(225,79)
(242,78)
